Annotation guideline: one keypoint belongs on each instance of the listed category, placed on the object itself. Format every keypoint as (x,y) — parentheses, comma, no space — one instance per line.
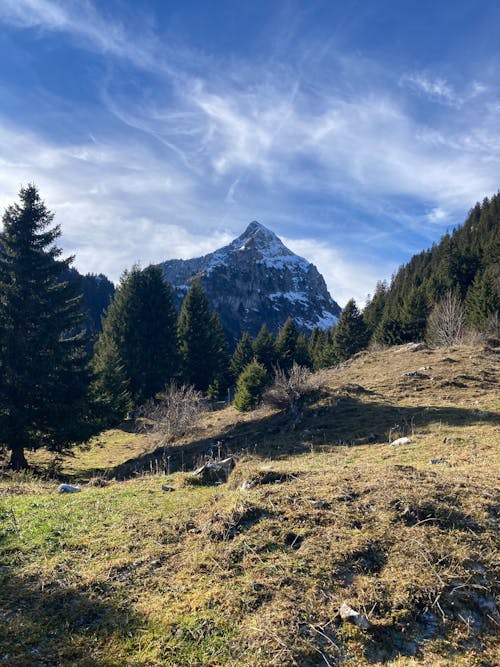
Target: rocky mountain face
(256,279)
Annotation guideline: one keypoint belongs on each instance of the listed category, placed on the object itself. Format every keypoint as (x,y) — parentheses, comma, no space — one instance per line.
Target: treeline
(466,263)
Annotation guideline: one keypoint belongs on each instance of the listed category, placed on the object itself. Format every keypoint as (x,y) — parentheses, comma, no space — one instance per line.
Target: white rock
(401,441)
(349,614)
(68,488)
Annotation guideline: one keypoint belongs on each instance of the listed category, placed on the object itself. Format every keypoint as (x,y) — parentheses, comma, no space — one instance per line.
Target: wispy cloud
(206,144)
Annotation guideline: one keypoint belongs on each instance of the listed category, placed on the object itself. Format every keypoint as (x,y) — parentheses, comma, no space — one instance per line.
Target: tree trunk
(17,459)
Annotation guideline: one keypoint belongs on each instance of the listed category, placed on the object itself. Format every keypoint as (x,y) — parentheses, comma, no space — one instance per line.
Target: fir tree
(414,315)
(140,327)
(321,351)
(44,375)
(220,358)
(110,387)
(286,344)
(483,300)
(250,386)
(202,344)
(264,348)
(242,355)
(351,334)
(375,305)
(302,357)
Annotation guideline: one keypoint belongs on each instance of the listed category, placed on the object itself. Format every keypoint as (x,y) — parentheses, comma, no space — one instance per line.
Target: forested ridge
(465,262)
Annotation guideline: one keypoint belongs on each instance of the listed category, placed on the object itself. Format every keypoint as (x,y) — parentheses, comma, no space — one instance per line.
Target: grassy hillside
(318,511)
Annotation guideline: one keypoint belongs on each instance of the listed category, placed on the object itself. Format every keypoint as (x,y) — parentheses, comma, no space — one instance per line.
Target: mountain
(257,279)
(98,292)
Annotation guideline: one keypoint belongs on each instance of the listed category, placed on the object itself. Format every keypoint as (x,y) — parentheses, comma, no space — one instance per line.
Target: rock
(166,488)
(350,615)
(402,441)
(68,488)
(215,472)
(411,347)
(439,460)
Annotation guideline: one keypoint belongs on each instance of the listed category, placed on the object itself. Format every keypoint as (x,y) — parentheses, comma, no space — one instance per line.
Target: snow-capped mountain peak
(257,279)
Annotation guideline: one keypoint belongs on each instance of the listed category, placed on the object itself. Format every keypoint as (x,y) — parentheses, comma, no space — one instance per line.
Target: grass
(254,574)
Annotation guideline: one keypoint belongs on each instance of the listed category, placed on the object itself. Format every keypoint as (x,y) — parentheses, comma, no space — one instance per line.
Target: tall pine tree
(202,344)
(264,348)
(351,334)
(44,373)
(242,355)
(139,331)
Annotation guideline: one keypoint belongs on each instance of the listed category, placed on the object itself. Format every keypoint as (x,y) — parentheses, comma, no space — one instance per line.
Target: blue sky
(358,130)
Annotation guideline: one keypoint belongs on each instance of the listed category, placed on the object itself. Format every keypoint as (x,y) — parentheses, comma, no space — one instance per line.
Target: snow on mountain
(257,279)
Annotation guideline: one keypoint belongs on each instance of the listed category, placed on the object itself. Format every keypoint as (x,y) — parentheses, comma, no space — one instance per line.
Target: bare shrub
(446,322)
(289,387)
(174,414)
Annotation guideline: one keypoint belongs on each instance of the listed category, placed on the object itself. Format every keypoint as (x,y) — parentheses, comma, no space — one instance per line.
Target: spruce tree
(44,375)
(250,386)
(483,299)
(242,355)
(202,344)
(264,348)
(286,344)
(139,327)
(321,351)
(110,387)
(414,314)
(351,334)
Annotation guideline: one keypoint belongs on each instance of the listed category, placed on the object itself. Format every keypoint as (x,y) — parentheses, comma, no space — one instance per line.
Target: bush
(446,322)
(250,386)
(289,387)
(176,413)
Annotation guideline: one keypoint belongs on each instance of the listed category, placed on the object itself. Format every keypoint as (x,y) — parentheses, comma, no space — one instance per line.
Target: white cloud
(214,144)
(346,275)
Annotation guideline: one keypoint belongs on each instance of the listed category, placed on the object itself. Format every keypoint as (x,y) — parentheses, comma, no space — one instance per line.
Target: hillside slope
(317,512)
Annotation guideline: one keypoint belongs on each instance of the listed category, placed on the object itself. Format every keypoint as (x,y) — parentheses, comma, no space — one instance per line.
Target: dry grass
(253,573)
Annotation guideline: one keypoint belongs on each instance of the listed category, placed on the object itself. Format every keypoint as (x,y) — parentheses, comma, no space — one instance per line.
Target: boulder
(68,488)
(402,441)
(215,472)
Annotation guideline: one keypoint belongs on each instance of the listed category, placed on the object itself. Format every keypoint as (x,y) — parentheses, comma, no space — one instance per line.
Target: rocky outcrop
(257,279)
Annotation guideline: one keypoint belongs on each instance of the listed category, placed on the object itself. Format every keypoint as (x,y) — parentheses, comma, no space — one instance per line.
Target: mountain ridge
(256,279)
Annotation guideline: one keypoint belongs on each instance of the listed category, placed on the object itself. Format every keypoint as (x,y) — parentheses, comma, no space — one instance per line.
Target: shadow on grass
(56,625)
(348,421)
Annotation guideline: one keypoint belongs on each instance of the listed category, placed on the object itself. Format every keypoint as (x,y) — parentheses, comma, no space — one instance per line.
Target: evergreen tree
(375,305)
(250,386)
(286,344)
(202,344)
(110,387)
(302,357)
(351,334)
(414,315)
(242,355)
(220,359)
(44,375)
(321,350)
(483,300)
(264,349)
(140,327)
(389,331)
